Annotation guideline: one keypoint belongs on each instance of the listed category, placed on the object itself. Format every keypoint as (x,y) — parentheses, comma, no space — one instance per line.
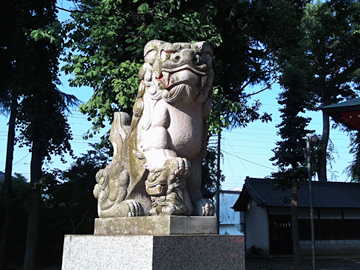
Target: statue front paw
(180,166)
(170,210)
(204,207)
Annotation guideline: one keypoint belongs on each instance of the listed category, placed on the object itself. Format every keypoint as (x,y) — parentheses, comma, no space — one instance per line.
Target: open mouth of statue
(167,78)
(155,189)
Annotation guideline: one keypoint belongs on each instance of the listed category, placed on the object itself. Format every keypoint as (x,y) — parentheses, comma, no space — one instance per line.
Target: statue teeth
(157,74)
(166,77)
(203,81)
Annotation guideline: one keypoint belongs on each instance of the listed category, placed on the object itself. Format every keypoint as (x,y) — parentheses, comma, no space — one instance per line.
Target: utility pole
(308,158)
(218,183)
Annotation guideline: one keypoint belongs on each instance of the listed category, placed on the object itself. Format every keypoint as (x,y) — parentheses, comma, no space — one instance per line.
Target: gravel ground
(331,263)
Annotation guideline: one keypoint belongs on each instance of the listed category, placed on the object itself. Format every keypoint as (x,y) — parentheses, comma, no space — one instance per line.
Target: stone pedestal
(154,243)
(154,225)
(151,252)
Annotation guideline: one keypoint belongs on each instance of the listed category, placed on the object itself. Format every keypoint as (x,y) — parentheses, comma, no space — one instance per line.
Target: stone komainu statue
(156,167)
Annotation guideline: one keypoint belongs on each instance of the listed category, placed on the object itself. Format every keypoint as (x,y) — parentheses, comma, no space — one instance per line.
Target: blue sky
(246,151)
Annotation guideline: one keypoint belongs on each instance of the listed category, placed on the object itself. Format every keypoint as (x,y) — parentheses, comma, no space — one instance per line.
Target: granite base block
(156,225)
(150,252)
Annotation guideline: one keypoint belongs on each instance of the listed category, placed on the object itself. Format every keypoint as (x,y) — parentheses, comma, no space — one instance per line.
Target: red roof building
(347,112)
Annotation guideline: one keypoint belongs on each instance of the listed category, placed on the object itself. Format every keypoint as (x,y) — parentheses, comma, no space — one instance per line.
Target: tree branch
(64,9)
(258,92)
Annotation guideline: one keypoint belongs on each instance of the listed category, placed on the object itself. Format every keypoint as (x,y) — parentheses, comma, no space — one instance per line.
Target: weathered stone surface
(141,252)
(156,167)
(156,225)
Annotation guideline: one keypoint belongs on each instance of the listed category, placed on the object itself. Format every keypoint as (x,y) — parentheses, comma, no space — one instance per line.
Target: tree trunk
(30,261)
(8,192)
(294,224)
(323,144)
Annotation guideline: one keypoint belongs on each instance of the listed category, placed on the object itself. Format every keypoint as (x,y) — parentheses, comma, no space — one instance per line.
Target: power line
(248,160)
(21,159)
(230,164)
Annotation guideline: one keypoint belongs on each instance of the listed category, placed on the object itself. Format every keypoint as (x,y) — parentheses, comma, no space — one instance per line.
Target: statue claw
(130,208)
(208,210)
(135,208)
(204,207)
(180,166)
(167,210)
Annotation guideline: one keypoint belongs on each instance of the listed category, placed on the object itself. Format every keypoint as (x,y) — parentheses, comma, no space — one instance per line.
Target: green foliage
(69,193)
(233,113)
(319,68)
(21,198)
(353,170)
(105,40)
(31,66)
(289,153)
(69,205)
(21,190)
(28,85)
(45,124)
(211,174)
(331,46)
(104,43)
(295,99)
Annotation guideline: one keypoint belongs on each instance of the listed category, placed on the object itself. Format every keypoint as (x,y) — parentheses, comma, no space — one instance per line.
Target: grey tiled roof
(325,195)
(346,106)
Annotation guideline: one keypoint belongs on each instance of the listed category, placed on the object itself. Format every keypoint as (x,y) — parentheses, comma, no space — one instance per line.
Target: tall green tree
(295,100)
(331,48)
(36,106)
(8,104)
(318,68)
(289,153)
(45,129)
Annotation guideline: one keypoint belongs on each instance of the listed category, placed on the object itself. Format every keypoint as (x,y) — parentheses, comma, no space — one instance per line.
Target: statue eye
(157,174)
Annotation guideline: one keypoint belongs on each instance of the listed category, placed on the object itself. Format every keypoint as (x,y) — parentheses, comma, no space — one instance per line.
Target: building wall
(302,212)
(257,227)
(229,219)
(331,247)
(327,247)
(230,229)
(331,213)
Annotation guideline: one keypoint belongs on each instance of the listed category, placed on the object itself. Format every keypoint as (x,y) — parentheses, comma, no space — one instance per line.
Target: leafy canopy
(104,41)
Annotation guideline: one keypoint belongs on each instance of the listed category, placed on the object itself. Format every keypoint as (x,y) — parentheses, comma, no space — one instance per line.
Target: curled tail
(119,131)
(113,180)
